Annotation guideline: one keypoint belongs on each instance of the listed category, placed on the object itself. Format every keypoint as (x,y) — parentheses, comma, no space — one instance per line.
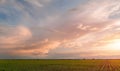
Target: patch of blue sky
(10,15)
(3,17)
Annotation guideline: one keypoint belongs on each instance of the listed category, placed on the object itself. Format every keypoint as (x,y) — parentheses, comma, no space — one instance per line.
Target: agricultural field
(59,65)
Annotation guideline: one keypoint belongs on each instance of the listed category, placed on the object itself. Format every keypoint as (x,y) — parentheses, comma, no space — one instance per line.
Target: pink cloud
(77,29)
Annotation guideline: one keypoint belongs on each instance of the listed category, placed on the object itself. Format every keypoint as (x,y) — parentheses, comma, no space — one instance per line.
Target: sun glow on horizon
(114,45)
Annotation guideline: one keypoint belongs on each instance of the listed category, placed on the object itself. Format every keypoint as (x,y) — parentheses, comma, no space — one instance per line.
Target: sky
(59,29)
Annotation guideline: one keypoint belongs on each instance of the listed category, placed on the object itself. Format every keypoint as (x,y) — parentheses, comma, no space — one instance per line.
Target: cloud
(14,36)
(2,1)
(37,32)
(35,3)
(99,25)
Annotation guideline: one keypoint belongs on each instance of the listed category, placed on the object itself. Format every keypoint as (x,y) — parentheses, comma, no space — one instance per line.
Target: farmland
(59,65)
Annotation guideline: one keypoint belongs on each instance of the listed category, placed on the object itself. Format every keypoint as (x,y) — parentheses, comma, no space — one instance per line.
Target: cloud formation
(38,29)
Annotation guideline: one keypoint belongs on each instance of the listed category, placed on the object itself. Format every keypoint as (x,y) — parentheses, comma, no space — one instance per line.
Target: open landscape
(59,35)
(59,65)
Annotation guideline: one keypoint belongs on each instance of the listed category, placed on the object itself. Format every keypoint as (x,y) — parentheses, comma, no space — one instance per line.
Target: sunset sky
(59,29)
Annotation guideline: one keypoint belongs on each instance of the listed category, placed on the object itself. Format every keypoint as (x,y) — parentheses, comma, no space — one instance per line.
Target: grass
(59,65)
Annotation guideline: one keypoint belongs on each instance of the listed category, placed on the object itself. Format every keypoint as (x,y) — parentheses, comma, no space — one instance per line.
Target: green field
(59,65)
